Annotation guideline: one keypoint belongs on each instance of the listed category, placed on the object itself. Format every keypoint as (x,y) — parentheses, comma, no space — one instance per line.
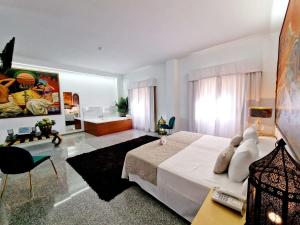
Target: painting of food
(288,78)
(28,93)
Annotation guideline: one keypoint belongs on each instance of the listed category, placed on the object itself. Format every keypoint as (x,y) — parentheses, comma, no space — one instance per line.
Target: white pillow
(250,133)
(244,155)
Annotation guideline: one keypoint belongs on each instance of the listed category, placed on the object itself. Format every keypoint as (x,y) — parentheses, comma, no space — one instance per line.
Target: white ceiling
(133,33)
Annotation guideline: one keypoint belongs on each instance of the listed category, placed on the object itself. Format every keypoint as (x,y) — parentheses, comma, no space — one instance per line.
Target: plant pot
(45,130)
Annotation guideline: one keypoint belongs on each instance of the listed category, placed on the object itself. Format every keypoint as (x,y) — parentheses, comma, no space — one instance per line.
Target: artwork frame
(27,92)
(287,102)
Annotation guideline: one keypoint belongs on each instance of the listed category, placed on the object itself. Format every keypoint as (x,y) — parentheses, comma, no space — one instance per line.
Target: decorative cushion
(223,160)
(244,155)
(250,133)
(236,140)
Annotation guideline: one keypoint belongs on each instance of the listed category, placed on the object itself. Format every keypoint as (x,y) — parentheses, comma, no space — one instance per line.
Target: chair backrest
(172,122)
(14,160)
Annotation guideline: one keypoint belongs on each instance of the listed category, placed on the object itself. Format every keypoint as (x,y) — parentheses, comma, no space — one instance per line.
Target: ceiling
(132,33)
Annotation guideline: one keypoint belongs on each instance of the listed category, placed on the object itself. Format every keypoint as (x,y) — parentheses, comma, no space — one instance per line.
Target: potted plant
(122,106)
(45,125)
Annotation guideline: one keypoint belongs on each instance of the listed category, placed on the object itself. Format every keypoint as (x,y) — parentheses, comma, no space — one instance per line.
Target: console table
(25,138)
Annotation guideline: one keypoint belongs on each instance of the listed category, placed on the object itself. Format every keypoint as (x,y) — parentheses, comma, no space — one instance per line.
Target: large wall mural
(288,78)
(28,93)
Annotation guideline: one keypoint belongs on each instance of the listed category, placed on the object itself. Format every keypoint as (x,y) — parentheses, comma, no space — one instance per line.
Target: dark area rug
(102,168)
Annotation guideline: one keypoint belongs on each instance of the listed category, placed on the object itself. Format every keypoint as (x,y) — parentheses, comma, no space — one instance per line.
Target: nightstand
(212,213)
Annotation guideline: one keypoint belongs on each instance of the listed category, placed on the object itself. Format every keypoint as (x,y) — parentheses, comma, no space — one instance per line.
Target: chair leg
(54,168)
(30,184)
(5,179)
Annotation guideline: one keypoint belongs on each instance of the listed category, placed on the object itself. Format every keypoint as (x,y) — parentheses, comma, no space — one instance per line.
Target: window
(141,104)
(220,103)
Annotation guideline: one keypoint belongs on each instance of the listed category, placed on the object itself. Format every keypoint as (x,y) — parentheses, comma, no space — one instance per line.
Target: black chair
(14,160)
(169,126)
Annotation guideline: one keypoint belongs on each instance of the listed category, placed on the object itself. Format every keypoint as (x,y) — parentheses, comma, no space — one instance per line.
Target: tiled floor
(69,200)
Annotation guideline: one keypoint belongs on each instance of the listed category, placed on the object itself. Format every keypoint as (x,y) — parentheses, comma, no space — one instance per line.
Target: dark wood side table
(25,138)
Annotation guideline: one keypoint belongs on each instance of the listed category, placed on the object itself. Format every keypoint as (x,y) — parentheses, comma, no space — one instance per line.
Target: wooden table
(25,138)
(212,213)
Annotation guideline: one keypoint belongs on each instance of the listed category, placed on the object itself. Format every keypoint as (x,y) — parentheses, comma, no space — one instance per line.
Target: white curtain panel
(219,105)
(141,104)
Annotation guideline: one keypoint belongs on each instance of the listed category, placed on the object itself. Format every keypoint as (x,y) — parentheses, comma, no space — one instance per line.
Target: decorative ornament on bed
(288,78)
(274,189)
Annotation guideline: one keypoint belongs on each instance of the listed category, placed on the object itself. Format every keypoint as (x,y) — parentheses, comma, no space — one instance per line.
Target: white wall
(172,75)
(268,91)
(172,93)
(92,89)
(296,153)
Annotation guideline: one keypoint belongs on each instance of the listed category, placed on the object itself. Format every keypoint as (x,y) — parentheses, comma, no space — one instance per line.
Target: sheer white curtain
(205,104)
(220,104)
(141,104)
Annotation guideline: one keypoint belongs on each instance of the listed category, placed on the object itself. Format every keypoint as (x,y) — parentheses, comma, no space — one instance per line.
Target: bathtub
(106,125)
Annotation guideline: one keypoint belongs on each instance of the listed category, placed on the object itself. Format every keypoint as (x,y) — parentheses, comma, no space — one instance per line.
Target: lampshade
(274,189)
(261,112)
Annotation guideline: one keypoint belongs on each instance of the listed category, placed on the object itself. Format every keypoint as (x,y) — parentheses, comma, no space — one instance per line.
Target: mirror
(72,112)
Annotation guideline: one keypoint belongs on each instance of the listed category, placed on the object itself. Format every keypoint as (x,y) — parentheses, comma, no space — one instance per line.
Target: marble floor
(69,200)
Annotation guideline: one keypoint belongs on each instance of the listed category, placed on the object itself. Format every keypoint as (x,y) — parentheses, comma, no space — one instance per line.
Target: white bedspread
(184,180)
(195,164)
(189,173)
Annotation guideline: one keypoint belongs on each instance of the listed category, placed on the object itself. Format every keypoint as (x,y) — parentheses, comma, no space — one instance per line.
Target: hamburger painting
(28,93)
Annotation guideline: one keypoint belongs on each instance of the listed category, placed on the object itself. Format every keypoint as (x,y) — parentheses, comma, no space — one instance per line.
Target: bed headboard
(288,78)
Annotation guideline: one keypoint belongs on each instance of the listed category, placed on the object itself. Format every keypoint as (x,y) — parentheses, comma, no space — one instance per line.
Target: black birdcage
(274,189)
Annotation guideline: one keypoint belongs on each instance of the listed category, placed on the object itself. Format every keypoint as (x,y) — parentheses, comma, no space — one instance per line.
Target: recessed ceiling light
(99,48)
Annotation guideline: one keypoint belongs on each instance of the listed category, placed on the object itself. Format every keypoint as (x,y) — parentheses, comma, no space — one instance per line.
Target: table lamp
(259,113)
(274,189)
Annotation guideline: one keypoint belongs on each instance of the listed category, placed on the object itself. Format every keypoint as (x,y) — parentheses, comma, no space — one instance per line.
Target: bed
(178,175)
